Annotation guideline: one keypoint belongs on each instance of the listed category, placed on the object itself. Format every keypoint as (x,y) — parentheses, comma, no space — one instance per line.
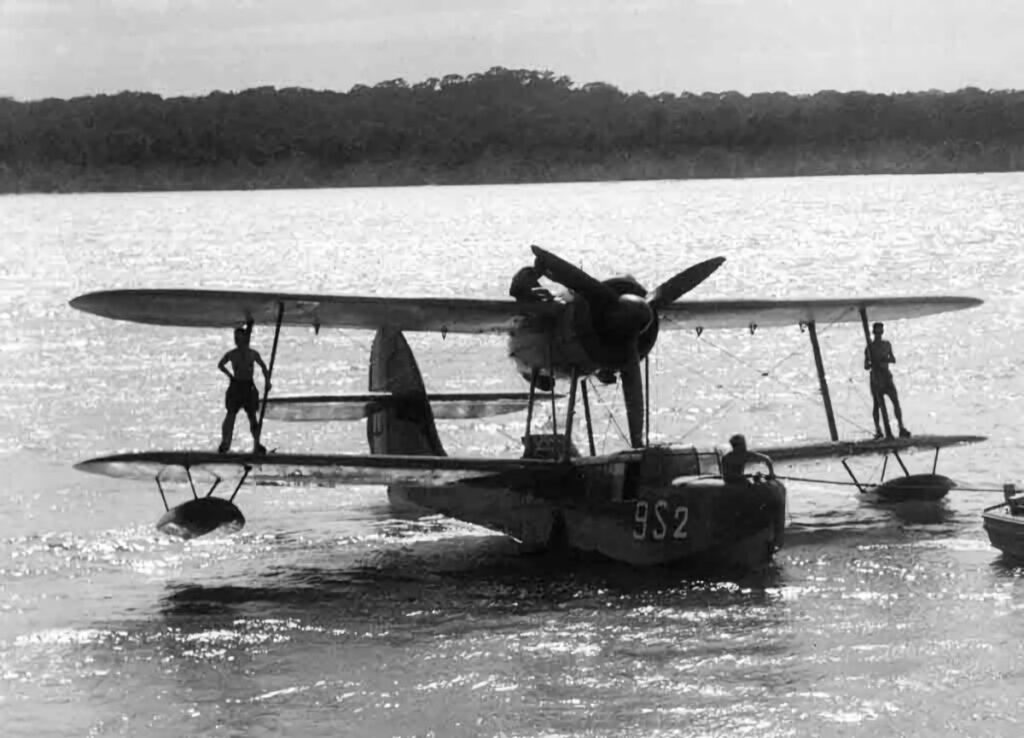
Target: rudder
(406,426)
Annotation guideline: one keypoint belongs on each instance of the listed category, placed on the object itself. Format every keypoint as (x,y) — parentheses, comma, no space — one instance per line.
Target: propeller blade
(571,276)
(633,394)
(671,290)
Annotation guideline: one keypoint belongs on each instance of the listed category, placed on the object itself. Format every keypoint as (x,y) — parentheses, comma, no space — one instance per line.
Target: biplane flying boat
(648,504)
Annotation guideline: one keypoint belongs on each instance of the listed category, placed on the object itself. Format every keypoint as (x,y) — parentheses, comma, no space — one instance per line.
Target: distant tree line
(500,126)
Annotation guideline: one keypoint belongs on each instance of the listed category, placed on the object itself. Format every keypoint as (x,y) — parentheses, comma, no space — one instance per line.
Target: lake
(331,614)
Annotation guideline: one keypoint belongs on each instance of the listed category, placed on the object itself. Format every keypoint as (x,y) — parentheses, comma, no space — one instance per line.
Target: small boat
(1004,524)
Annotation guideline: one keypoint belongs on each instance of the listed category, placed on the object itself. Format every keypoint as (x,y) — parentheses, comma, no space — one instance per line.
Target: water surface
(331,614)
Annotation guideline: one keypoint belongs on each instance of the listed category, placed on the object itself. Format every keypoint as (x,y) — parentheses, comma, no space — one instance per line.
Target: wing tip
(83,302)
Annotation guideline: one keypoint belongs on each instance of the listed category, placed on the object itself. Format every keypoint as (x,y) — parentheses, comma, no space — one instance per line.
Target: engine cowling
(614,335)
(607,328)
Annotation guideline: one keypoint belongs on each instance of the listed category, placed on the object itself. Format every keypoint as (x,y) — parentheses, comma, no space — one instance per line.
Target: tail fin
(406,426)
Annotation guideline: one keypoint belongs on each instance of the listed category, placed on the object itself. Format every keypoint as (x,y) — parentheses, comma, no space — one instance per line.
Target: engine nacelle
(587,338)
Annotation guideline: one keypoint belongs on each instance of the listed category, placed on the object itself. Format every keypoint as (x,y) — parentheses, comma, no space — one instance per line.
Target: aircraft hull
(724,526)
(527,519)
(698,522)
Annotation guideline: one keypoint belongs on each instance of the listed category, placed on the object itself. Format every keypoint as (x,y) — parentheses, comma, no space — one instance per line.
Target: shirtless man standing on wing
(242,393)
(877,358)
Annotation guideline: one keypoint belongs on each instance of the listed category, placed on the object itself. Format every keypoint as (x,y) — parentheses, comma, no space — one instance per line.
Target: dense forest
(500,126)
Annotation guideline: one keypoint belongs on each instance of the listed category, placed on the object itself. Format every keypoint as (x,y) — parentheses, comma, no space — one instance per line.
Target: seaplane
(646,504)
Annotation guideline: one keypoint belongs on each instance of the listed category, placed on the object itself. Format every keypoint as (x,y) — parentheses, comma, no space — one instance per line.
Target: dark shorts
(242,396)
(882,384)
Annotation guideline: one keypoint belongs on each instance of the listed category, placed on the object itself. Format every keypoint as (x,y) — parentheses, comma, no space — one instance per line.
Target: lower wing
(319,470)
(842,449)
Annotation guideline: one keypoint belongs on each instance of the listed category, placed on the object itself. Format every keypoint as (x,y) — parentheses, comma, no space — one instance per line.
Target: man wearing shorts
(242,393)
(877,358)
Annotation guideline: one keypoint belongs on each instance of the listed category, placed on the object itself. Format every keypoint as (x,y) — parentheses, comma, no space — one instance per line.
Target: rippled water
(331,614)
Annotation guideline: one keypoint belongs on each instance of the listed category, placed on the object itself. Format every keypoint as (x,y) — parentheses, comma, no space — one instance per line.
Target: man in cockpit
(734,463)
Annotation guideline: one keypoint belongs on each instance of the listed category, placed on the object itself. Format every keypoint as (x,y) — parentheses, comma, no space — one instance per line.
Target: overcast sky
(64,48)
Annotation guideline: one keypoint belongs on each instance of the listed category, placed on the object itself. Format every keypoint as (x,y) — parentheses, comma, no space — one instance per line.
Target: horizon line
(544,72)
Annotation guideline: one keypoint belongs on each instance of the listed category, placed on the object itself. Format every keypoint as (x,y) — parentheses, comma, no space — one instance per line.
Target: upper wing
(841,449)
(317,470)
(765,313)
(222,309)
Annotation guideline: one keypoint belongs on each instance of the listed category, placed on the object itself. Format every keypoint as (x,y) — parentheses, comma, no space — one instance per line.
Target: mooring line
(815,481)
(958,488)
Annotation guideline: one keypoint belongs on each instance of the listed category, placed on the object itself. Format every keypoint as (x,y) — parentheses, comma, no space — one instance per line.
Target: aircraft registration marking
(660,521)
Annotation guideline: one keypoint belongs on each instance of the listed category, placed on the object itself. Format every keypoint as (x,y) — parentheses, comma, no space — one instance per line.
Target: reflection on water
(489,575)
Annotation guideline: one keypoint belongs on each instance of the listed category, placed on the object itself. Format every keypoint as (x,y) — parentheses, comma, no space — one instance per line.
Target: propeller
(559,270)
(672,289)
(625,317)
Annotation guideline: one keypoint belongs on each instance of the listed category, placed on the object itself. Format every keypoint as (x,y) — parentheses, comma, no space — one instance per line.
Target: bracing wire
(606,405)
(770,375)
(816,480)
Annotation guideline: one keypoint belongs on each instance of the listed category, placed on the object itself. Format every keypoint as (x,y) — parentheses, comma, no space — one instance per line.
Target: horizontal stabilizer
(842,449)
(318,470)
(446,406)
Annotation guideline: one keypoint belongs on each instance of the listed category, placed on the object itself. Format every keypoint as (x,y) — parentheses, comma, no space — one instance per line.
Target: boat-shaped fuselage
(651,506)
